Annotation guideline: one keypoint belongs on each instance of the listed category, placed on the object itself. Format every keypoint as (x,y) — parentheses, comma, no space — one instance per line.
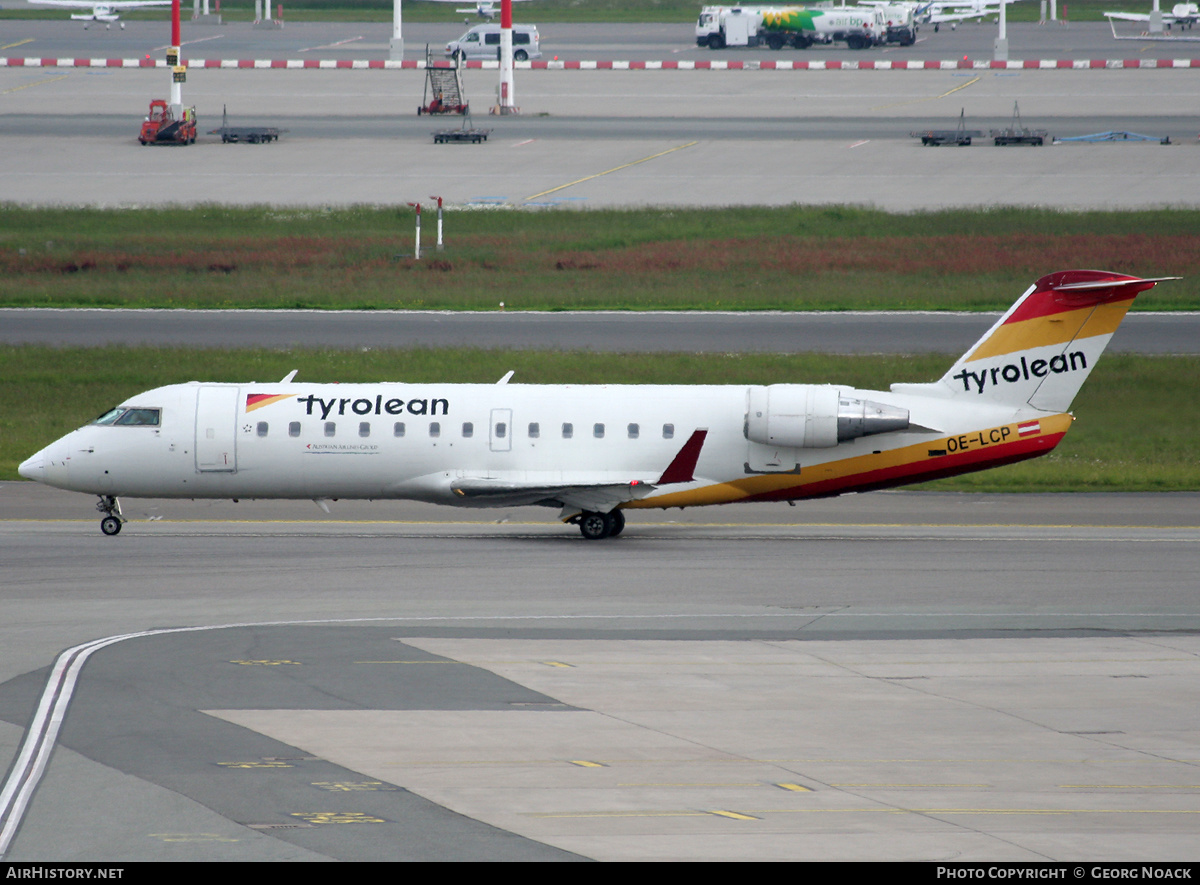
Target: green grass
(789,258)
(1138,417)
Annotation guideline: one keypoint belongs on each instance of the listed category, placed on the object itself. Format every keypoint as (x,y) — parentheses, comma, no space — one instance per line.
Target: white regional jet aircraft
(597,450)
(107,12)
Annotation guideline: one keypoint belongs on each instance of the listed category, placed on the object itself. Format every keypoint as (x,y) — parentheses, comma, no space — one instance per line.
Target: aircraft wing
(938,18)
(1129,16)
(597,491)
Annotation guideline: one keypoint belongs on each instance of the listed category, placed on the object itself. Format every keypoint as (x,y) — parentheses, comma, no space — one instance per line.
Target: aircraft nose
(48,466)
(34,468)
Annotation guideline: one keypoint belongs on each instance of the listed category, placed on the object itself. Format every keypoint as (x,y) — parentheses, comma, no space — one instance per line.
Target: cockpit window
(110,416)
(141,417)
(131,417)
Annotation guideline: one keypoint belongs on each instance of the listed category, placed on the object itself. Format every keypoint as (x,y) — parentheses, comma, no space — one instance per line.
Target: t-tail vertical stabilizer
(1042,350)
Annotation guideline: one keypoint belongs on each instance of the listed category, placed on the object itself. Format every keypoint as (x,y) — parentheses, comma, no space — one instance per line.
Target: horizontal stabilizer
(1113,285)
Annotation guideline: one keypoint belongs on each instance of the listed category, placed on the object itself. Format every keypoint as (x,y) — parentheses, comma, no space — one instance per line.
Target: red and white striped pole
(175,63)
(439,238)
(417,250)
(508,97)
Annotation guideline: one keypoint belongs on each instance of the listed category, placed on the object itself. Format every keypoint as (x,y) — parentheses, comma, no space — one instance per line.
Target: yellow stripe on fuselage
(860,465)
(1057,328)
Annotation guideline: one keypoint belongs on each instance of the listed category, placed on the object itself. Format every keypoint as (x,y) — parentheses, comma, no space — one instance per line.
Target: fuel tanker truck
(799,26)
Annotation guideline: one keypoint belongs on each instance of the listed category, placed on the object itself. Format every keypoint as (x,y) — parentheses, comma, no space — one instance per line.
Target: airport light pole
(439,226)
(397,45)
(507,102)
(178,69)
(1156,22)
(1001,46)
(417,246)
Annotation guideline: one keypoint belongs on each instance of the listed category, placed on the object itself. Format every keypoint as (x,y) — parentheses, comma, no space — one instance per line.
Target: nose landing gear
(113,520)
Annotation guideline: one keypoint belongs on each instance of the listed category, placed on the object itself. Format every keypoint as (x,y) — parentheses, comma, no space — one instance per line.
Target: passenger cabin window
(535,430)
(598,431)
(330,428)
(633,431)
(364,428)
(398,429)
(294,428)
(262,428)
(435,428)
(668,431)
(468,429)
(501,430)
(568,431)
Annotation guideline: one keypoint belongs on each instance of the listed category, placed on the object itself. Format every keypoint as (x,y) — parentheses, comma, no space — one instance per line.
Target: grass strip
(785,258)
(1138,416)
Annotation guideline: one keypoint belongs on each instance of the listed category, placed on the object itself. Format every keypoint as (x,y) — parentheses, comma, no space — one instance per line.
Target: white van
(483,42)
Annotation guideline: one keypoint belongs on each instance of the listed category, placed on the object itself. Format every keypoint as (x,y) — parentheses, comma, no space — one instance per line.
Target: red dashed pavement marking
(833,65)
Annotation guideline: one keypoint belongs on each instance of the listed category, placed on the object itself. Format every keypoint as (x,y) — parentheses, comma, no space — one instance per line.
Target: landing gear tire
(596,526)
(110,506)
(618,519)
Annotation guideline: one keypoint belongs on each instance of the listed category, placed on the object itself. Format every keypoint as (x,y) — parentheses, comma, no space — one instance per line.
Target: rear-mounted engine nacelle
(815,416)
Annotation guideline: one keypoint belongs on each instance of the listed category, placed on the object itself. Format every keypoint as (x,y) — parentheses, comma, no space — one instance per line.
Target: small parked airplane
(483,9)
(107,12)
(1183,14)
(595,451)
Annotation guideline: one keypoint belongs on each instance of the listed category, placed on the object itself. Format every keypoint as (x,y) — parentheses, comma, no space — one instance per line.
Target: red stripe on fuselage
(933,467)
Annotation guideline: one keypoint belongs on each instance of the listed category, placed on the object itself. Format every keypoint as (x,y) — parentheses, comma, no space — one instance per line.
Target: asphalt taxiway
(889,676)
(598,331)
(606,138)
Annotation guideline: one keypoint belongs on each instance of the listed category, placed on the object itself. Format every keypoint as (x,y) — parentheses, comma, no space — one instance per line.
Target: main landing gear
(113,520)
(594,526)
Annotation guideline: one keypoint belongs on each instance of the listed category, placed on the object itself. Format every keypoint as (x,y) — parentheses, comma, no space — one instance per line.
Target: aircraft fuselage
(429,441)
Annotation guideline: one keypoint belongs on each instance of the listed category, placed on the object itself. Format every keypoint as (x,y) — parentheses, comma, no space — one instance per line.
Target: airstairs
(443,87)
